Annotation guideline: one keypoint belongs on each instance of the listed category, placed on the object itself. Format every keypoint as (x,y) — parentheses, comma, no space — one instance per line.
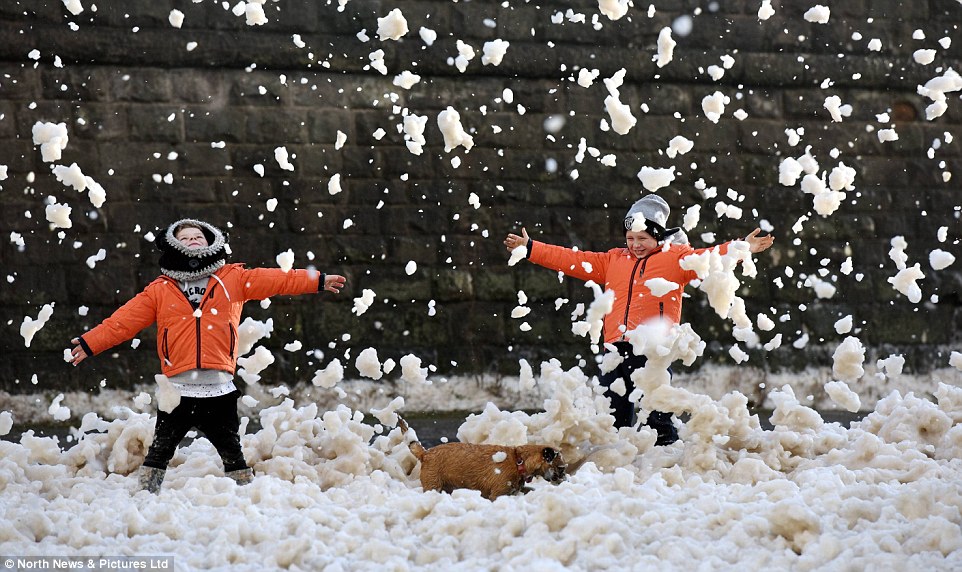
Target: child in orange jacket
(625,271)
(197,304)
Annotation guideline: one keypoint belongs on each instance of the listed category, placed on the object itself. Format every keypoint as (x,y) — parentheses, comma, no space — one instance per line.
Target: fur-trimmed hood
(185,264)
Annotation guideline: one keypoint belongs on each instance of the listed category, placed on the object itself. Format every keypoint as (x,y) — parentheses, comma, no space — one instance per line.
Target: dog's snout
(556,473)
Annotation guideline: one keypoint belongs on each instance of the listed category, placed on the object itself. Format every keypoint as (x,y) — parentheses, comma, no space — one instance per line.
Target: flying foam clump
(818,14)
(654,178)
(330,375)
(58,215)
(30,326)
(363,302)
(600,307)
(251,331)
(285,260)
(254,364)
(52,139)
(848,359)
(368,365)
(666,47)
(393,26)
(906,283)
(414,132)
(613,9)
(411,370)
(622,119)
(936,89)
(449,121)
(494,52)
(714,105)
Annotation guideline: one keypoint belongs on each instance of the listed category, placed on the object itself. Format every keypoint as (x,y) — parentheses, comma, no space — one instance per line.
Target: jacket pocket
(233,339)
(166,348)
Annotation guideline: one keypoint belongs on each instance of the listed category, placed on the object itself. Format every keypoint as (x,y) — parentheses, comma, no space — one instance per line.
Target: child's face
(191,237)
(640,243)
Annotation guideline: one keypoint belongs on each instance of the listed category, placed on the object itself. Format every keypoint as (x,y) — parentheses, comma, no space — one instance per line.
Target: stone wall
(176,122)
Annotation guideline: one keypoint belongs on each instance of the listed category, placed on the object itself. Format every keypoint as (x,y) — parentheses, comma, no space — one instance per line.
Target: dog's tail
(573,467)
(415,446)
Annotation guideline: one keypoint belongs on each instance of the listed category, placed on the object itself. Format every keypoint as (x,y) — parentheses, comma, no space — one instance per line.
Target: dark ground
(432,428)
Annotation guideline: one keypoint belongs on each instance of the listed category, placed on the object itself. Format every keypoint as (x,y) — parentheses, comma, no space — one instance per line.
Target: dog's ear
(548,454)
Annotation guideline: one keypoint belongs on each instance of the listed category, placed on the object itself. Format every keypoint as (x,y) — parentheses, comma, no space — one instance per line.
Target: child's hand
(514,241)
(759,243)
(334,283)
(77,353)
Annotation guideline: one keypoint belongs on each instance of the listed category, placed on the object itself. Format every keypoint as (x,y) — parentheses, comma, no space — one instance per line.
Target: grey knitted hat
(650,213)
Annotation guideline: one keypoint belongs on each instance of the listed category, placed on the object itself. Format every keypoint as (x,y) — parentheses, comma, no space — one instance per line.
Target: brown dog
(494,470)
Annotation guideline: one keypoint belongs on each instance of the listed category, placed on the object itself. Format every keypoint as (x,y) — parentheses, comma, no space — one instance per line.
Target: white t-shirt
(203,383)
(195,290)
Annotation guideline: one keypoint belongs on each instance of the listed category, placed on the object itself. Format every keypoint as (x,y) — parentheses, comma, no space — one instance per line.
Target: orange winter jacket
(620,271)
(205,338)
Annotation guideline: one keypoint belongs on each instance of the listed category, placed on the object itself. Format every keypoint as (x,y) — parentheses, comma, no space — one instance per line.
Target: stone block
(277,126)
(141,86)
(155,123)
(205,124)
(396,285)
(452,285)
(495,285)
(323,125)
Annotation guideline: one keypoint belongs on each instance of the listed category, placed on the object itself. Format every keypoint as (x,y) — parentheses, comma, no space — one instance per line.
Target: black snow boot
(151,478)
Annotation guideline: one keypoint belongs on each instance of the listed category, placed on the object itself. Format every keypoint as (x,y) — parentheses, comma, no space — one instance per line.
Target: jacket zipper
(210,295)
(197,321)
(631,286)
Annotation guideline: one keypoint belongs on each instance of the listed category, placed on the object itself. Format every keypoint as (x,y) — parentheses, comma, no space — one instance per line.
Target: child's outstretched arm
(580,264)
(138,313)
(514,241)
(759,243)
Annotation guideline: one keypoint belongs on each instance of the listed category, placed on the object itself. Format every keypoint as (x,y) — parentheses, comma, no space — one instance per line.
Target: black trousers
(215,417)
(622,407)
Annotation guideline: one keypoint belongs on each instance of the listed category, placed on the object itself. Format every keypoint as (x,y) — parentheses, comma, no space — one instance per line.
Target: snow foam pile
(802,485)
